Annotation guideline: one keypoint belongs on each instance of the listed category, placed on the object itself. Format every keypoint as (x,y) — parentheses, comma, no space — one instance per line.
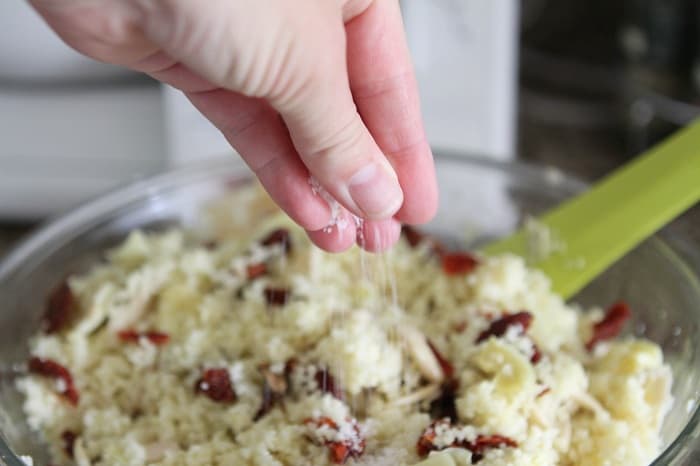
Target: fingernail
(376,191)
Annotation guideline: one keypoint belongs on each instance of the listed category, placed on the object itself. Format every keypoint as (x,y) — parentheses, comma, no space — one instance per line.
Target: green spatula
(601,225)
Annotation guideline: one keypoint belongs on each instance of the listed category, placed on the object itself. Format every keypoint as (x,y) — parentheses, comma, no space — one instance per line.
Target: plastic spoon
(601,225)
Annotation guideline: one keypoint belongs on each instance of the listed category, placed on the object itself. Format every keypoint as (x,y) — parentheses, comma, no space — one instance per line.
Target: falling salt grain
(360,226)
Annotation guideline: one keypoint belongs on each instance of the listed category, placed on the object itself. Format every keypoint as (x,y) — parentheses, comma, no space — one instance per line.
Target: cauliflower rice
(259,349)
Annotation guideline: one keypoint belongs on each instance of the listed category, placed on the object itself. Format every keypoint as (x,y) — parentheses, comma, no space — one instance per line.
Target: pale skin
(297,87)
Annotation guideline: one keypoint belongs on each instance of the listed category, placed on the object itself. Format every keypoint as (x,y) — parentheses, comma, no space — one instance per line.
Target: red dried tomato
(444,406)
(536,354)
(132,336)
(447,367)
(216,384)
(52,369)
(415,238)
(341,451)
(610,327)
(68,438)
(254,271)
(426,442)
(327,384)
(279,236)
(60,308)
(487,442)
(277,296)
(458,263)
(499,327)
(321,421)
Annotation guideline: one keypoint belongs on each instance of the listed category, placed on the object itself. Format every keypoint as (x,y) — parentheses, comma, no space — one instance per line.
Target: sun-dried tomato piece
(254,271)
(277,296)
(52,369)
(458,263)
(279,236)
(444,406)
(132,336)
(415,238)
(536,354)
(68,438)
(426,442)
(447,368)
(341,451)
(488,442)
(327,384)
(216,384)
(543,392)
(499,327)
(60,308)
(612,324)
(321,421)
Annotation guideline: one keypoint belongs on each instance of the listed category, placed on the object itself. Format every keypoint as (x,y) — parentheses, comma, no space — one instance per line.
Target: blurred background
(579,86)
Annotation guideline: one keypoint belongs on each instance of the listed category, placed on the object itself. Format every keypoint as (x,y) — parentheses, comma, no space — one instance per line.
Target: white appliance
(465,56)
(71,128)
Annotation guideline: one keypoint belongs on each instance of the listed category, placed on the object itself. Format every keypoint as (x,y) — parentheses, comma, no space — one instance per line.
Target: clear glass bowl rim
(92,212)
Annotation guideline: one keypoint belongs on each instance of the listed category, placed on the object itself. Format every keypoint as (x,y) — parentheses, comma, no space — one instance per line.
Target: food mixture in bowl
(256,348)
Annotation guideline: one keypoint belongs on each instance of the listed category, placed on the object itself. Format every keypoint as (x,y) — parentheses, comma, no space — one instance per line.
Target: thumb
(329,134)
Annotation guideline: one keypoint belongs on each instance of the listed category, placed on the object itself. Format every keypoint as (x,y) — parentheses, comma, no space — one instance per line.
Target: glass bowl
(479,200)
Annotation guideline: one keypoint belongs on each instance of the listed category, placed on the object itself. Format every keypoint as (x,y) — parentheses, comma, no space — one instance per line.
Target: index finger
(384,89)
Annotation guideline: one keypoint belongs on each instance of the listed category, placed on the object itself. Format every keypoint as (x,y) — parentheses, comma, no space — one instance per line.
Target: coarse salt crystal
(337,219)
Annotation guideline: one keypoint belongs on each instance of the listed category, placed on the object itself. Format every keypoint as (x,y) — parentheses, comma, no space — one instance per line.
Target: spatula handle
(604,223)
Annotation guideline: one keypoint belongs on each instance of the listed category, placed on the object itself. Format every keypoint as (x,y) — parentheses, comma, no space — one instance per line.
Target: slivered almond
(426,393)
(276,382)
(585,400)
(539,418)
(420,353)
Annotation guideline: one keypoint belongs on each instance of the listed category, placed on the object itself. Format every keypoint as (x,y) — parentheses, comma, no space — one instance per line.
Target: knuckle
(337,141)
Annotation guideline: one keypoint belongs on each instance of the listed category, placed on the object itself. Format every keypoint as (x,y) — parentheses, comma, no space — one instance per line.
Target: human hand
(299,88)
